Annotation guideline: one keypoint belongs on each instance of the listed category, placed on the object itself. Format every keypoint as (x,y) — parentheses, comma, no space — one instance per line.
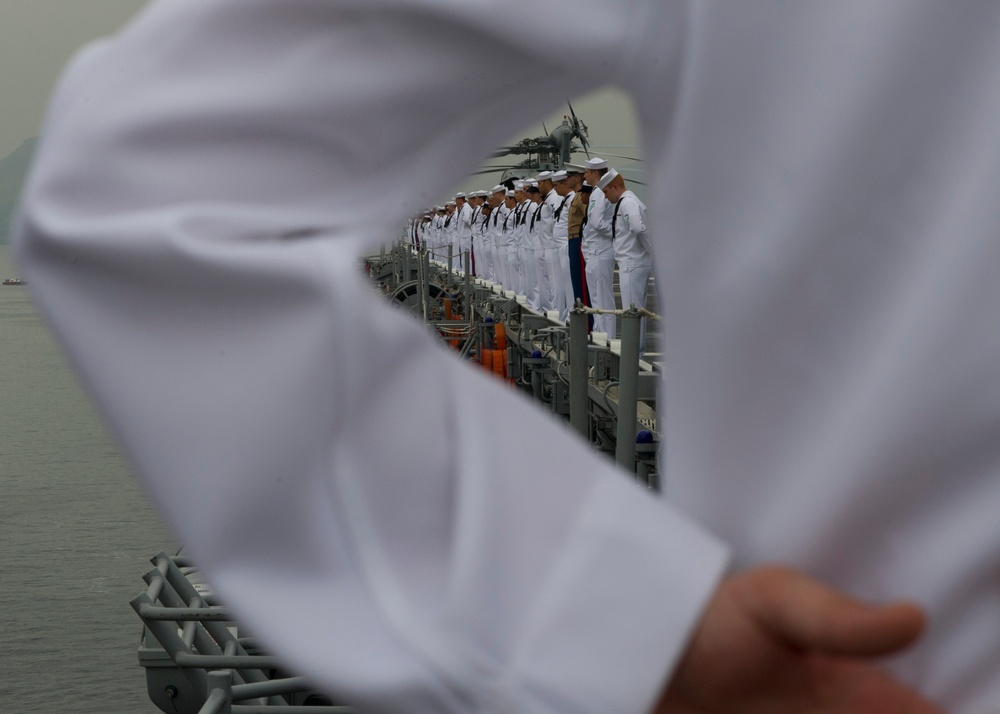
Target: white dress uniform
(434,237)
(463,235)
(526,275)
(549,260)
(632,254)
(560,237)
(479,251)
(482,238)
(510,243)
(493,229)
(599,254)
(512,229)
(424,233)
(831,277)
(497,217)
(449,239)
(446,237)
(533,253)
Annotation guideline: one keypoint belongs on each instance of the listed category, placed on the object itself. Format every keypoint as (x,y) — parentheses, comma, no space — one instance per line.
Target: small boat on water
(14,281)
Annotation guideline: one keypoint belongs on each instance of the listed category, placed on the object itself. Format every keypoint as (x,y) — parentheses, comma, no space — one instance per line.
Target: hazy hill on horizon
(13,170)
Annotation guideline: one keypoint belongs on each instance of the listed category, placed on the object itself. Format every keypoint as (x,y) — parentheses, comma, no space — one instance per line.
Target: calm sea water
(76,535)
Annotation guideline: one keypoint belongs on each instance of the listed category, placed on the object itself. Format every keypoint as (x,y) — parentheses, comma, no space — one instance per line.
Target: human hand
(773,641)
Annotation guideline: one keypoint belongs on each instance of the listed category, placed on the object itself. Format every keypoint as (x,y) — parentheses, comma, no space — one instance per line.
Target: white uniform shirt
(597,229)
(463,226)
(508,231)
(498,218)
(548,219)
(523,211)
(830,202)
(631,240)
(477,220)
(437,227)
(534,225)
(560,229)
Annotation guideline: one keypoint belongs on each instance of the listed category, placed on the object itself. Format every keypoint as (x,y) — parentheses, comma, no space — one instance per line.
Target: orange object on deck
(500,363)
(500,336)
(487,359)
(449,315)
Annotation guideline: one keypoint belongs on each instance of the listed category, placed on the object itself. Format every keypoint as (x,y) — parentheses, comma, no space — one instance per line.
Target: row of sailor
(525,238)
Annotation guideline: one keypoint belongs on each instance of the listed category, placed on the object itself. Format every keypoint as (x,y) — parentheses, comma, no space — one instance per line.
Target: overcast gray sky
(37,38)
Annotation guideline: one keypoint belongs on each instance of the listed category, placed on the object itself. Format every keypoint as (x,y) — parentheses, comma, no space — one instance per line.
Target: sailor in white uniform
(509,241)
(498,214)
(529,244)
(598,250)
(463,232)
(524,273)
(480,257)
(533,245)
(633,252)
(560,238)
(548,262)
(481,237)
(416,538)
(438,234)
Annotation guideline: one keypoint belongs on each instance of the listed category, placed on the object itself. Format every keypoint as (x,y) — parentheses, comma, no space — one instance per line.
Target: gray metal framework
(195,660)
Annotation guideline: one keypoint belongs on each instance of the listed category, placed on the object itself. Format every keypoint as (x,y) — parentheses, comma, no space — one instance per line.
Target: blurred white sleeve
(401,529)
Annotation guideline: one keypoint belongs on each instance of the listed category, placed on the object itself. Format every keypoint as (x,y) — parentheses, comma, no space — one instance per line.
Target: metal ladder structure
(197,663)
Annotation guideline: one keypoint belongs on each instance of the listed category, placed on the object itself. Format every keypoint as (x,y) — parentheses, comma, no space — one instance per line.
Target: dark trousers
(578,275)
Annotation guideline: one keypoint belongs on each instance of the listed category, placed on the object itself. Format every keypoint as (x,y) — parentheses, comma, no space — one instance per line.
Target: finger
(812,616)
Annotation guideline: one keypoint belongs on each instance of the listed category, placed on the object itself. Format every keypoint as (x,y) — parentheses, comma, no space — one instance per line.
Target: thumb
(809,615)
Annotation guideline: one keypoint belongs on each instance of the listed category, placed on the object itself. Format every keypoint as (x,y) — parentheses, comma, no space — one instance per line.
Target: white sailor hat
(459,195)
(499,189)
(607,178)
(544,176)
(596,164)
(510,194)
(451,203)
(574,168)
(559,176)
